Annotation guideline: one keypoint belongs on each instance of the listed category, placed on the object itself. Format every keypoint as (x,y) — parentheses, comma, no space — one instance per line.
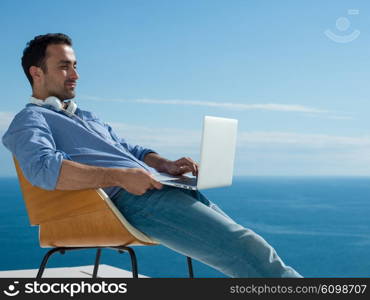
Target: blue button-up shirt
(41,137)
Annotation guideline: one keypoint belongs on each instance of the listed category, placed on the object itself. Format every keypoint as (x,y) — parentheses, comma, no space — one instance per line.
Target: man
(60,146)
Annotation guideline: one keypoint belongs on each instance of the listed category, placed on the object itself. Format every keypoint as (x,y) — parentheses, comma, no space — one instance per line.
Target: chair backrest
(77,218)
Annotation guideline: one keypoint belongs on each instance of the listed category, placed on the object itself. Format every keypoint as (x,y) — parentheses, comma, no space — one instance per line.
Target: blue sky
(153,69)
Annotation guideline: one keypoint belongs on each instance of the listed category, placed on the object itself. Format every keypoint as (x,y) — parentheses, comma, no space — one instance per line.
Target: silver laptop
(216,157)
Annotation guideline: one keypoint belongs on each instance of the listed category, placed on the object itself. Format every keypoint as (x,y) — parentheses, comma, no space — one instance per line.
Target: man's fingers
(181,170)
(195,170)
(156,184)
(186,164)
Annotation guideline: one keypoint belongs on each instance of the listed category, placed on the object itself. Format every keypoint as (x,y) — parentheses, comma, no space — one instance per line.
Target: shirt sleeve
(138,151)
(30,140)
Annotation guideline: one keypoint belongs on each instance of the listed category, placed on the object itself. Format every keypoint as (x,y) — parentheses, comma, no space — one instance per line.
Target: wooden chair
(82,219)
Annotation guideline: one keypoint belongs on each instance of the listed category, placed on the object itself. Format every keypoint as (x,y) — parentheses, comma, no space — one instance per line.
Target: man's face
(60,78)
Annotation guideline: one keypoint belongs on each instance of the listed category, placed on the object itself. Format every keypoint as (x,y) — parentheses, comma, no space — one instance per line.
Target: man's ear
(36,73)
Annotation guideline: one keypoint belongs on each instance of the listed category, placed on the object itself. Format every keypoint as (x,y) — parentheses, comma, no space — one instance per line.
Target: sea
(318,225)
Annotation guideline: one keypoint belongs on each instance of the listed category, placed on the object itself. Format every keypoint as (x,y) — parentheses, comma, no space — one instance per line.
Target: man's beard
(63,94)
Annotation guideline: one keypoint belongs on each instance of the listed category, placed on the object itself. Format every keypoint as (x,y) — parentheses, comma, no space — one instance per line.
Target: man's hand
(181,166)
(137,181)
(176,168)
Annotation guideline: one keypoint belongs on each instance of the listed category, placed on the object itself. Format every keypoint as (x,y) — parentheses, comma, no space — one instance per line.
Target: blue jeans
(187,222)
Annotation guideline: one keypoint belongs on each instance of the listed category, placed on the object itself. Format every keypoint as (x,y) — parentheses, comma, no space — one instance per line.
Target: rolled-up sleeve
(30,140)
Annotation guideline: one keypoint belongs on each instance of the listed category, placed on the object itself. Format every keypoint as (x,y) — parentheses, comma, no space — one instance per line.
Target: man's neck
(38,95)
(43,98)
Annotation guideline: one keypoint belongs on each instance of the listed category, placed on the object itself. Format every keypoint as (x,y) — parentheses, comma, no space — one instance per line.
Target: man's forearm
(155,161)
(76,176)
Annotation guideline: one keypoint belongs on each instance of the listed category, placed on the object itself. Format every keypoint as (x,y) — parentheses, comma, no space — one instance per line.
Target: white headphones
(56,103)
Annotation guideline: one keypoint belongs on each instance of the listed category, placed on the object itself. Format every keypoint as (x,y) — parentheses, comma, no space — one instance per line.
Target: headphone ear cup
(55,102)
(71,108)
(36,101)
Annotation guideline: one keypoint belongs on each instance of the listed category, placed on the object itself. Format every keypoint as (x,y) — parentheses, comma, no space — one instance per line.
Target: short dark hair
(35,52)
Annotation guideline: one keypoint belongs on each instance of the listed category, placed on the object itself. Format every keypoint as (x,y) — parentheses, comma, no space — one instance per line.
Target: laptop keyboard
(186,180)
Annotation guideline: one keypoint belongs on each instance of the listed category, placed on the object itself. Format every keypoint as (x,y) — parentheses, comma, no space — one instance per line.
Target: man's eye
(64,67)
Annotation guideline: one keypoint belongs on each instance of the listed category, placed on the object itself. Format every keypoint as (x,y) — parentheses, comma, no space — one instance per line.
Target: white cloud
(298,139)
(223,105)
(178,138)
(236,106)
(333,116)
(340,117)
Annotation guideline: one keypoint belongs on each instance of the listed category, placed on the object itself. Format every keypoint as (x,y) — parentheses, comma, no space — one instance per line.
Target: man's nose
(74,75)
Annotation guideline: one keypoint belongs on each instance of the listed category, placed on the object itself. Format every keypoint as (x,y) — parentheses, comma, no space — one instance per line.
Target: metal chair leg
(190,267)
(46,258)
(134,268)
(96,265)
